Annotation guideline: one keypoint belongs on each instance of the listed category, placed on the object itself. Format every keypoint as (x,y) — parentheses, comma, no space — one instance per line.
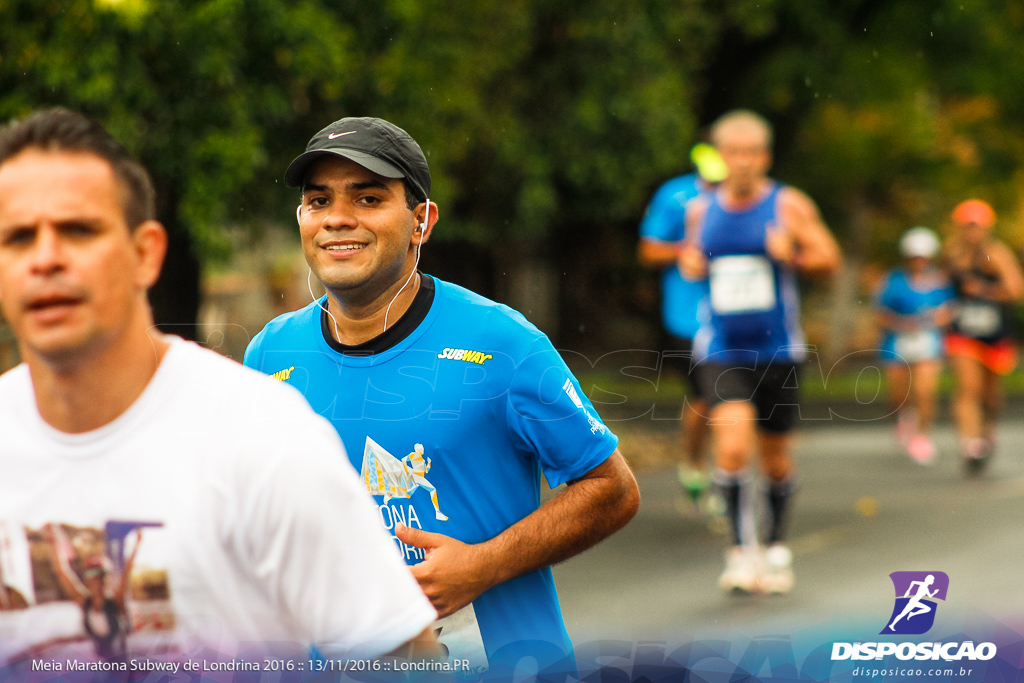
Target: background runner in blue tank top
(753,308)
(452,406)
(913,305)
(662,231)
(750,239)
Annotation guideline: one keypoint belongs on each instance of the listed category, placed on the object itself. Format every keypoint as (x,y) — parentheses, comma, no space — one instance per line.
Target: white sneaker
(741,570)
(777,576)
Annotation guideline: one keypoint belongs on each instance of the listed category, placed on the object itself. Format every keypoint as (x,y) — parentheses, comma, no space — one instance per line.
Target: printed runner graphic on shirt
(385,475)
(81,591)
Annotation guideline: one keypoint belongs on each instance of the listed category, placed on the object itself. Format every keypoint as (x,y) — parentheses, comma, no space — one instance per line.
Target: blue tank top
(752,313)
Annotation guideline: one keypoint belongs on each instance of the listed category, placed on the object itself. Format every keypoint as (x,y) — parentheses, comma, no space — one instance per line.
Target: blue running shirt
(898,294)
(752,313)
(665,221)
(451,429)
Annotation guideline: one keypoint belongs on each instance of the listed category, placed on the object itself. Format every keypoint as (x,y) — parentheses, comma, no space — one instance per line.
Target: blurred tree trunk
(528,283)
(844,290)
(534,293)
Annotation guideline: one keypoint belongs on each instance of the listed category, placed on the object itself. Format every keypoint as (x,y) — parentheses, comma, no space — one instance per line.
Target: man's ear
(420,233)
(150,241)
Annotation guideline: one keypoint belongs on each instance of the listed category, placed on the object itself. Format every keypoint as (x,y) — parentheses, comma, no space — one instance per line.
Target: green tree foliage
(212,96)
(532,103)
(896,109)
(538,115)
(547,122)
(198,90)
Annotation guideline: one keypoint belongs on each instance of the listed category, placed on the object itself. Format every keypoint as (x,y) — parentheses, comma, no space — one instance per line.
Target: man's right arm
(322,504)
(654,253)
(661,228)
(315,542)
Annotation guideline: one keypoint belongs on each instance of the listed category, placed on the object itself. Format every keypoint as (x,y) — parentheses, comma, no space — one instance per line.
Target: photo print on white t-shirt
(83,592)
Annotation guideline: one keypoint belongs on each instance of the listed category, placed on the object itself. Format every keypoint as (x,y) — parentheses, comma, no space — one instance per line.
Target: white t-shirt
(250,524)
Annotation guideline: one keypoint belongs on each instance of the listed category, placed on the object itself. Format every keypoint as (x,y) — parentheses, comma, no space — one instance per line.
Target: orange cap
(974,211)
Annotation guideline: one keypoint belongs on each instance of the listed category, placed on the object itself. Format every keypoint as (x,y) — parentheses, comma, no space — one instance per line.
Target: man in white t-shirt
(154,496)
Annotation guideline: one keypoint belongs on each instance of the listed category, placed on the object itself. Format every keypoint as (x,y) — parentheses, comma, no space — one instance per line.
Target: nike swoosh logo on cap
(338,135)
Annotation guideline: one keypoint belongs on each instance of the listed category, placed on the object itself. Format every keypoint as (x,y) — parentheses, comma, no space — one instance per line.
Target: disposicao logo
(914,614)
(916,595)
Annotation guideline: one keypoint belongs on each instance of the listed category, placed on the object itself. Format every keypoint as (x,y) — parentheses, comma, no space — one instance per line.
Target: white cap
(919,241)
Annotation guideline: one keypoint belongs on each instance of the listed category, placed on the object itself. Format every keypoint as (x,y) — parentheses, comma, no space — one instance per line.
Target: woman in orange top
(987,278)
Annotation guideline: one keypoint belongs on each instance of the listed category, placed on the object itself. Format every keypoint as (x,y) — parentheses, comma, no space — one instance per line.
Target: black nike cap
(374,144)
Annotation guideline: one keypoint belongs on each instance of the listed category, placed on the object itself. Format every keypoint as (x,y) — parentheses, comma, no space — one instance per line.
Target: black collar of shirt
(393,335)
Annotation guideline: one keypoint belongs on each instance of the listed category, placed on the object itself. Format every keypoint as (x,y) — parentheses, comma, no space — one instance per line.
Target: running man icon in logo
(385,475)
(914,612)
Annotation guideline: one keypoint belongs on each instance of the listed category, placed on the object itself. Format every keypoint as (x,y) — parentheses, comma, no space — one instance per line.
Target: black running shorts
(772,388)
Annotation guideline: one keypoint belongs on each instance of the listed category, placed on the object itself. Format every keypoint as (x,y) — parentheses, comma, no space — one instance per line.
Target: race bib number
(460,635)
(979,319)
(741,284)
(918,346)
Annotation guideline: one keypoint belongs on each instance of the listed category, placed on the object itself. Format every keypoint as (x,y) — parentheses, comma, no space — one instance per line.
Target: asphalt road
(863,510)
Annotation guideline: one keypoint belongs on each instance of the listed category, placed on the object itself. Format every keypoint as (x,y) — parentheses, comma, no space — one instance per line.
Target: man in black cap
(449,404)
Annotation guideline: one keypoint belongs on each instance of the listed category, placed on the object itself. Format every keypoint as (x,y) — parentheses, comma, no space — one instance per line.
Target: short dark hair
(63,130)
(412,199)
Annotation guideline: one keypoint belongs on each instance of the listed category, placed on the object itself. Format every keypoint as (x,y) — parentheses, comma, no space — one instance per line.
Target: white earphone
(420,228)
(309,283)
(426,218)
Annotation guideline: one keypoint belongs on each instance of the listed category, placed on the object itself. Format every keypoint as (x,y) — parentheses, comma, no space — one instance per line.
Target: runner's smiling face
(356,228)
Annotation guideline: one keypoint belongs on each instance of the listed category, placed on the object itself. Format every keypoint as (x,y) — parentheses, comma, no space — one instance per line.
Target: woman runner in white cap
(914,303)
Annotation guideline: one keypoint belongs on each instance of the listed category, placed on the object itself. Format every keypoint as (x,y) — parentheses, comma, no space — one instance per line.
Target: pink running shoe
(906,426)
(921,449)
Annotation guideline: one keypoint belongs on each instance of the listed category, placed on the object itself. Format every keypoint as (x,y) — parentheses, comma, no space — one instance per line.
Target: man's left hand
(452,574)
(780,245)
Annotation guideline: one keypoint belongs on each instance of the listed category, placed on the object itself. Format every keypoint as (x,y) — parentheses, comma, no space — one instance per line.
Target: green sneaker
(694,482)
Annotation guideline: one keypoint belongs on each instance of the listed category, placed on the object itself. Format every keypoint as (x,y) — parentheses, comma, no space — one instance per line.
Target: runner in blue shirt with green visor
(450,406)
(662,235)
